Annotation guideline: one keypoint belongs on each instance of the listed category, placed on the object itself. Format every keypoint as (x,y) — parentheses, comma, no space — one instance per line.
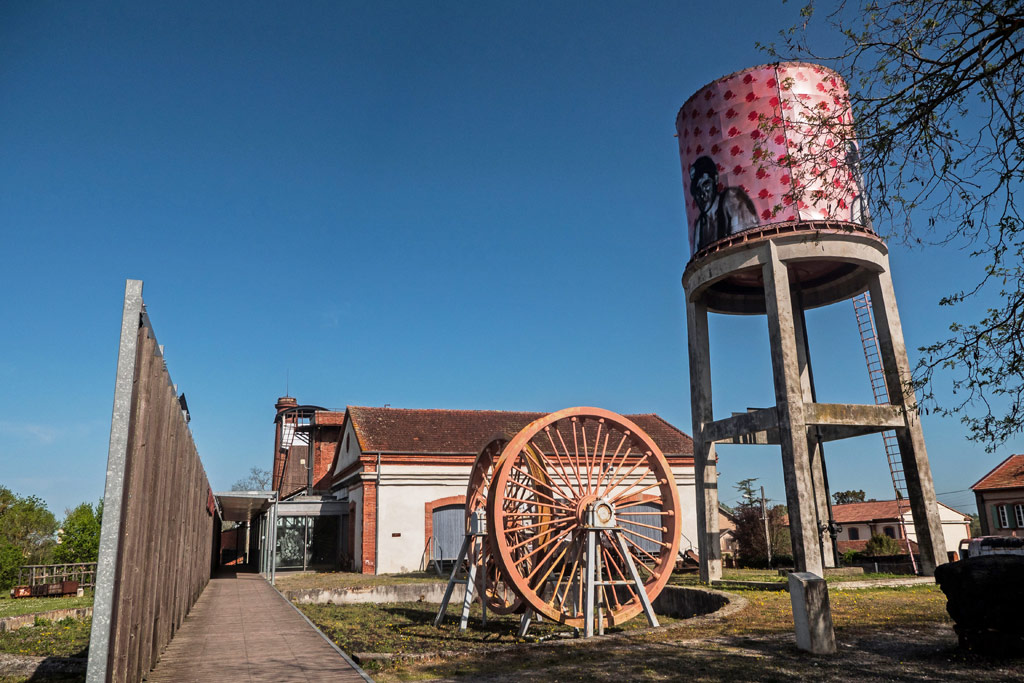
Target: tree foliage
(258,480)
(882,545)
(939,107)
(852,496)
(10,560)
(752,546)
(80,534)
(27,526)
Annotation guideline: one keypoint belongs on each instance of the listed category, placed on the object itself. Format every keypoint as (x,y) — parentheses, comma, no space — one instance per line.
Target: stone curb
(23,620)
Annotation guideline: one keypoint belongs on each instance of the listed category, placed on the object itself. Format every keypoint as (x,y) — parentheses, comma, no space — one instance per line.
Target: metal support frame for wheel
(471,554)
(492,585)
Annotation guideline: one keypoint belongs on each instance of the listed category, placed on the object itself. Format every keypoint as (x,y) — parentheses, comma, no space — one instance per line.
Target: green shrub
(880,544)
(11,560)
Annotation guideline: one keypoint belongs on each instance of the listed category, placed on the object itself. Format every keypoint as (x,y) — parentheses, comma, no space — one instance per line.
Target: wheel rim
(497,592)
(545,479)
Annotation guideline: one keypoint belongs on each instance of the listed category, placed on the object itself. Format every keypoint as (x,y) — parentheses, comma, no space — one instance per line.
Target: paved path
(241,629)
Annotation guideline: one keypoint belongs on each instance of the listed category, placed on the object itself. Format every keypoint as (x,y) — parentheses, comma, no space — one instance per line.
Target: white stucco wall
(406,489)
(685,482)
(954,527)
(403,494)
(348,449)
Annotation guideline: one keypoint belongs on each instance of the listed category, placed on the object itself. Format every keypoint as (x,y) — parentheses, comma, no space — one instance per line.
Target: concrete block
(812,615)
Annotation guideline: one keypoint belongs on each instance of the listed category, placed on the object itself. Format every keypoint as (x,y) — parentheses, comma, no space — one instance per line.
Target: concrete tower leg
(796,463)
(916,469)
(817,453)
(704,459)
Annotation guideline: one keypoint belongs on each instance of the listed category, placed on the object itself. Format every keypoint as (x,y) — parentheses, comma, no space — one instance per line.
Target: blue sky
(429,205)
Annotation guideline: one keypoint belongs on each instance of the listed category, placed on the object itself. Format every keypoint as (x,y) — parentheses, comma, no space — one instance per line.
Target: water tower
(778,224)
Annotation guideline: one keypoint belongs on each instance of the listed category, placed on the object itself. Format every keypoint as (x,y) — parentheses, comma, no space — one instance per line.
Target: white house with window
(861,521)
(1000,496)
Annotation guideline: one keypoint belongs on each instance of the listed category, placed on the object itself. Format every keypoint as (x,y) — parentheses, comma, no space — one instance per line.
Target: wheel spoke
(646,488)
(611,487)
(568,457)
(611,462)
(557,457)
(534,453)
(641,548)
(647,526)
(539,504)
(653,501)
(549,522)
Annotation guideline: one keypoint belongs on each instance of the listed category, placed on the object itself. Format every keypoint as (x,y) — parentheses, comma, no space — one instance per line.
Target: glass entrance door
(308,543)
(292,546)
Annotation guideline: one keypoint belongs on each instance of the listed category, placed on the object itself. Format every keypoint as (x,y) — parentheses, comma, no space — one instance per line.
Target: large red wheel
(548,476)
(500,597)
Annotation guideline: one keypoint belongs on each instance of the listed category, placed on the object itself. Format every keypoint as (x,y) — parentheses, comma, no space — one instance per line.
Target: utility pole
(767,536)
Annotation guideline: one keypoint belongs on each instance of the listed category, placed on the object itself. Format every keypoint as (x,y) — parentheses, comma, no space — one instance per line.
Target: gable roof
(1008,474)
(403,430)
(872,511)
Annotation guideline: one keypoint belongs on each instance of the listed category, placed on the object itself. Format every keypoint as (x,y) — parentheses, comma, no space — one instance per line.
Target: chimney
(277,472)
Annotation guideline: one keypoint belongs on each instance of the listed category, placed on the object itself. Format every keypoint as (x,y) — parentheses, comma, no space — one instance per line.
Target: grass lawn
(885,633)
(301,580)
(64,638)
(772,576)
(407,628)
(13,608)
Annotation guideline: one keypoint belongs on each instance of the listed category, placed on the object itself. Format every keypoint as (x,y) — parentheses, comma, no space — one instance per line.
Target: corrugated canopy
(241,506)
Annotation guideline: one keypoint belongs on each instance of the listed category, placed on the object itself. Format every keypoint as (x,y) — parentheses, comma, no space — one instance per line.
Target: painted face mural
(771,144)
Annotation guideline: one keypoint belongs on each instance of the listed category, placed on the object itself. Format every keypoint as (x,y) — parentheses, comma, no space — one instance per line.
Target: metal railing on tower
(869,340)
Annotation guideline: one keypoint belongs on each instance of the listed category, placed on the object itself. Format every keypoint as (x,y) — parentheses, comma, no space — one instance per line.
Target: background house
(860,521)
(727,530)
(1000,496)
(384,488)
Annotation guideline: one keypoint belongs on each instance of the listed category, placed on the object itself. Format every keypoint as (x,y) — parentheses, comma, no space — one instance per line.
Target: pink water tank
(768,148)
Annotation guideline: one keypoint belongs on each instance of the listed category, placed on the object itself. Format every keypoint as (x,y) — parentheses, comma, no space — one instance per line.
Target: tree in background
(881,545)
(258,480)
(975,525)
(752,546)
(26,534)
(939,114)
(80,534)
(26,524)
(843,497)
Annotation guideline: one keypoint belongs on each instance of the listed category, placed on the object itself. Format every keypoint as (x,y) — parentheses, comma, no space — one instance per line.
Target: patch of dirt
(904,654)
(15,667)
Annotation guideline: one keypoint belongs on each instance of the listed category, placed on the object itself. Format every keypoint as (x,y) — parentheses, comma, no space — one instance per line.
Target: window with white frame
(1018,511)
(1004,516)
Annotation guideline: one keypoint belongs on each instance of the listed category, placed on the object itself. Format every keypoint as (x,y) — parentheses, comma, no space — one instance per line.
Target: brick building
(389,484)
(1000,496)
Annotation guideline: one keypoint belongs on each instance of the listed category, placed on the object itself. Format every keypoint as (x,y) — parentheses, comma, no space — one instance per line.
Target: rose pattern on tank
(782,142)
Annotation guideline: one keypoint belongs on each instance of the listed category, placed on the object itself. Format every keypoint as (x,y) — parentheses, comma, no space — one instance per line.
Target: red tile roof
(1008,474)
(866,512)
(872,511)
(399,430)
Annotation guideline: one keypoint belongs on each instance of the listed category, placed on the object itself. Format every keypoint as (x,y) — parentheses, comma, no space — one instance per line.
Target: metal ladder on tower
(873,356)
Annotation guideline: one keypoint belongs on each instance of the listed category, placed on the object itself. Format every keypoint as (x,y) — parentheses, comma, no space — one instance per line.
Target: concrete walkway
(241,629)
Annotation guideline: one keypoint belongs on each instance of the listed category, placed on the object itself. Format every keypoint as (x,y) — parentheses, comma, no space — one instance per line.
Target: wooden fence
(157,538)
(36,574)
